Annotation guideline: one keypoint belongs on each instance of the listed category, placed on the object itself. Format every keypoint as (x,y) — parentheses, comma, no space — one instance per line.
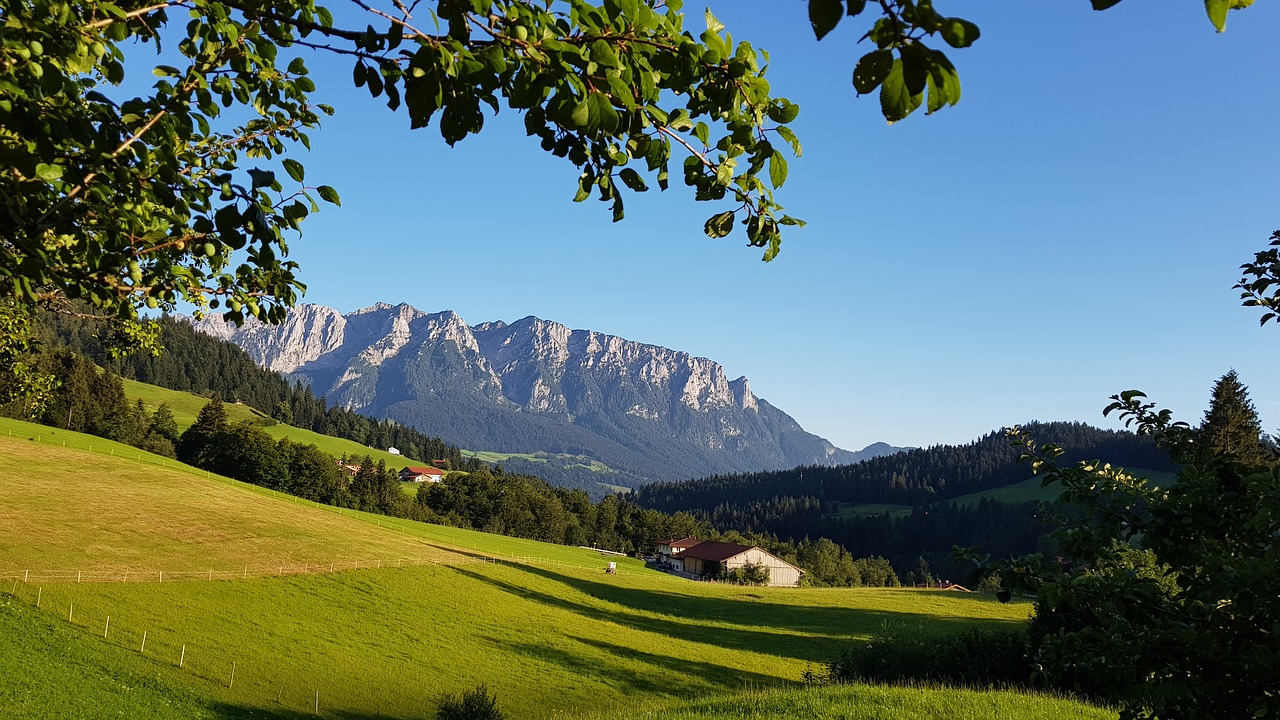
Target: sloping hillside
(544,628)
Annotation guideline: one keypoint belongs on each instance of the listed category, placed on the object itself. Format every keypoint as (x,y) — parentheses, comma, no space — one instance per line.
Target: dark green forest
(914,477)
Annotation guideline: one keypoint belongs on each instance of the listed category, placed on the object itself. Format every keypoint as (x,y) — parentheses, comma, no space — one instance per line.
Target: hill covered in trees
(793,506)
(913,477)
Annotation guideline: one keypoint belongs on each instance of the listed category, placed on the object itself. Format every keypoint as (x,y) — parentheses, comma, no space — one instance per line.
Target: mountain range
(536,387)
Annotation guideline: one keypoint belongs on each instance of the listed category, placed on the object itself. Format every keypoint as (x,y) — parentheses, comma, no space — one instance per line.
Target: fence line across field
(28,576)
(209,663)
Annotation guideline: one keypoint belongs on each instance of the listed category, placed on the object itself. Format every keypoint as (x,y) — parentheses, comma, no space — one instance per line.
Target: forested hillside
(914,477)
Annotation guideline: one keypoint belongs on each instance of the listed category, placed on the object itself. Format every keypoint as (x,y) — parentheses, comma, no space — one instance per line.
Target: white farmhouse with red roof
(421,474)
(709,559)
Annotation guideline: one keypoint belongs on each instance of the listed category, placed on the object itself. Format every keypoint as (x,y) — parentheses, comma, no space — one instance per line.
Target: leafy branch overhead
(909,73)
(191,192)
(154,200)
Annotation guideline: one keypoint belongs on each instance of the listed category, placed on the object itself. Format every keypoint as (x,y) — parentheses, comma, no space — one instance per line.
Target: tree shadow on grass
(636,671)
(811,634)
(752,611)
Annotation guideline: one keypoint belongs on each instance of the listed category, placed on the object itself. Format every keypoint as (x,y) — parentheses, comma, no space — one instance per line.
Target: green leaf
(581,115)
(48,173)
(783,111)
(871,70)
(261,178)
(720,225)
(603,55)
(632,179)
(824,15)
(915,67)
(896,102)
(777,169)
(328,194)
(1217,11)
(791,138)
(713,25)
(294,168)
(959,33)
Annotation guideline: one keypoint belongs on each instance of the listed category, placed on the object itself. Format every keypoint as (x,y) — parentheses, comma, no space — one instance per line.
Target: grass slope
(186,406)
(53,669)
(551,634)
(876,702)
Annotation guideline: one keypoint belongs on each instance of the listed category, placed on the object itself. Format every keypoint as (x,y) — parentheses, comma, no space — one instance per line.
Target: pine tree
(1231,425)
(194,444)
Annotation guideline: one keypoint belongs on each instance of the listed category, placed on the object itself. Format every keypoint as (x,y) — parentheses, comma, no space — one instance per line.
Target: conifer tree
(194,444)
(163,424)
(1230,426)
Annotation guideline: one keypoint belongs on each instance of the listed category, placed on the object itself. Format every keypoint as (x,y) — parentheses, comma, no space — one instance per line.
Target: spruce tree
(1231,425)
(195,443)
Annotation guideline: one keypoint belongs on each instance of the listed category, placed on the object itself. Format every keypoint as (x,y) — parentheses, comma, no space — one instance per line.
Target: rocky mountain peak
(534,385)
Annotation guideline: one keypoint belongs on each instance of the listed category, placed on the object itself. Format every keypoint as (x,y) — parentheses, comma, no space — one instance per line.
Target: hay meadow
(165,592)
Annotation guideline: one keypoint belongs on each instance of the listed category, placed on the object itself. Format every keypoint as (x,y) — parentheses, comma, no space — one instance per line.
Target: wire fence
(259,571)
(253,677)
(260,676)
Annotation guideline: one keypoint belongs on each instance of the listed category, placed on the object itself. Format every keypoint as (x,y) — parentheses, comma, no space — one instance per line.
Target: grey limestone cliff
(534,385)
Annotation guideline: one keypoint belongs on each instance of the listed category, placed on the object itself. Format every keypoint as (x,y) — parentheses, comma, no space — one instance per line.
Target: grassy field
(543,626)
(873,702)
(851,510)
(186,406)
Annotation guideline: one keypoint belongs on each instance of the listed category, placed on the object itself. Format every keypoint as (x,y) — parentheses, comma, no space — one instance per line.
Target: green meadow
(265,587)
(186,407)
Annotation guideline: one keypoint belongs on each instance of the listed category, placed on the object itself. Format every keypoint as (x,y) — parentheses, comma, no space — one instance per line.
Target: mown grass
(547,630)
(545,638)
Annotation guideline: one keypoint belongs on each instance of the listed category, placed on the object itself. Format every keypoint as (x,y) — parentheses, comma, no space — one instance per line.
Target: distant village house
(421,474)
(708,560)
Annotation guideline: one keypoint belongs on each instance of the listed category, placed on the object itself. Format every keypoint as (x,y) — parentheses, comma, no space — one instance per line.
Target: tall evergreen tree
(194,445)
(1231,425)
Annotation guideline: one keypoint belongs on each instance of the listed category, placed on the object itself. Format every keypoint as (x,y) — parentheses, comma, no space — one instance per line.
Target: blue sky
(1071,229)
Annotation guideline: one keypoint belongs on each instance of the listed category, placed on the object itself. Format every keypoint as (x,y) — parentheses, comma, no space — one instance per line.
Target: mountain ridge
(535,385)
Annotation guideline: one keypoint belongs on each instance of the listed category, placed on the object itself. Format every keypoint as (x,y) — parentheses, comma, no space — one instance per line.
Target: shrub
(905,652)
(475,704)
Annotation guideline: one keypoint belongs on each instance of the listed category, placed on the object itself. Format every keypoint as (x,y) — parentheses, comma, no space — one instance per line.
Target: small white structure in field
(612,569)
(393,451)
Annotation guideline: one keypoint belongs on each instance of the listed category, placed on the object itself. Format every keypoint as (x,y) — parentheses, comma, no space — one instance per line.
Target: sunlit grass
(546,629)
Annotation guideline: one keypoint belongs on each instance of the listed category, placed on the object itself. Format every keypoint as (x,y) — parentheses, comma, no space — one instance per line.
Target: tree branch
(136,13)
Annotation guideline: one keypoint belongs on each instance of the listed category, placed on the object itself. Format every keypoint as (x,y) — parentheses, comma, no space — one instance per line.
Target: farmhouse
(421,474)
(708,559)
